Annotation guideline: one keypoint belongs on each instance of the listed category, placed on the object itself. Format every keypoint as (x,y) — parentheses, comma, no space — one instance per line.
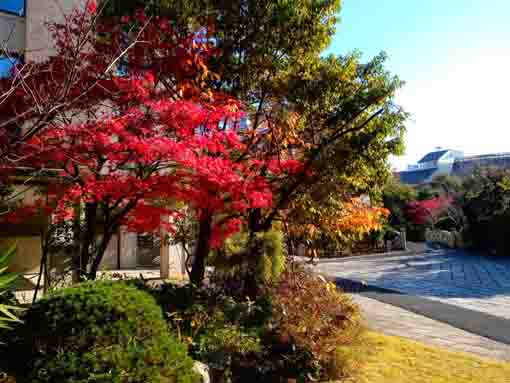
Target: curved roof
(433,156)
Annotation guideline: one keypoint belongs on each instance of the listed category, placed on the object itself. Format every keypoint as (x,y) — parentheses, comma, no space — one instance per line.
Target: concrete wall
(28,254)
(445,238)
(39,43)
(128,250)
(172,262)
(12,33)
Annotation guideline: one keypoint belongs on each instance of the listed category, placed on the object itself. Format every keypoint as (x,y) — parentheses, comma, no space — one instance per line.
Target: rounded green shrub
(262,255)
(106,332)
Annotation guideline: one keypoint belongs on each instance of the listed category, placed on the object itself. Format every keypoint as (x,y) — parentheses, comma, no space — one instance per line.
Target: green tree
(447,184)
(396,196)
(347,125)
(486,206)
(336,114)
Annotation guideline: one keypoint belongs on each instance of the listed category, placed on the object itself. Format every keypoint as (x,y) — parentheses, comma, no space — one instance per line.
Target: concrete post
(403,239)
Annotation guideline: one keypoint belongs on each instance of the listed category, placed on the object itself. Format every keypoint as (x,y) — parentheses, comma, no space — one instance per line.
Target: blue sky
(455,58)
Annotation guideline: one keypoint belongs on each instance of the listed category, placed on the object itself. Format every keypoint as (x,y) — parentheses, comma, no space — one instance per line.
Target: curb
(475,322)
(361,257)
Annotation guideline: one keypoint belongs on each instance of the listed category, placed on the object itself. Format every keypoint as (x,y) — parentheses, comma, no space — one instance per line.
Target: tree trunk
(202,251)
(96,262)
(82,263)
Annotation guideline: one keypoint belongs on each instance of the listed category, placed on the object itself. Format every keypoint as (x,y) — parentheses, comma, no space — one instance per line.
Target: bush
(262,257)
(299,328)
(312,316)
(98,332)
(231,352)
(221,331)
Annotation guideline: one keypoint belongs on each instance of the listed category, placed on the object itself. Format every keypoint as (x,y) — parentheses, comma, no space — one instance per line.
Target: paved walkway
(453,277)
(393,320)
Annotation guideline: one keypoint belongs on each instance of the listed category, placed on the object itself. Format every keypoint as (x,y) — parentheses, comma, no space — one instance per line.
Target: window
(16,7)
(6,66)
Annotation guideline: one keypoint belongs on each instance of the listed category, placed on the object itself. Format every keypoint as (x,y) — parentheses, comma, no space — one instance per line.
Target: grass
(389,359)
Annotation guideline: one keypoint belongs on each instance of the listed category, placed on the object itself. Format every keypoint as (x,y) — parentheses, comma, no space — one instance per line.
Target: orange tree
(336,224)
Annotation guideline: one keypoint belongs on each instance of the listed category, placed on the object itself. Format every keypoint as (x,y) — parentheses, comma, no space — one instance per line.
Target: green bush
(192,311)
(262,256)
(220,330)
(106,332)
(229,351)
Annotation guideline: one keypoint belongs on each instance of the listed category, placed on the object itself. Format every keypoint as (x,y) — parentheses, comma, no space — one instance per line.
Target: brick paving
(393,320)
(454,277)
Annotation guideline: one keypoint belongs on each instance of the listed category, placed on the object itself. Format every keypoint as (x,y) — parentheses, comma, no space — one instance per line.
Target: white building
(450,162)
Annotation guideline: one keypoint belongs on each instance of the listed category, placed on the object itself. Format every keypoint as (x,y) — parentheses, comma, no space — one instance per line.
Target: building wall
(12,33)
(466,167)
(28,254)
(39,43)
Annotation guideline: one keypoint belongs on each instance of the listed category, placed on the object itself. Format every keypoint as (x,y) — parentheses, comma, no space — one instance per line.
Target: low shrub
(191,310)
(311,315)
(232,353)
(246,260)
(299,328)
(106,332)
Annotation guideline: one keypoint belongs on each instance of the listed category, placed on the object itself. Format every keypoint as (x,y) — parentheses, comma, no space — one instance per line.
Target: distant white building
(450,162)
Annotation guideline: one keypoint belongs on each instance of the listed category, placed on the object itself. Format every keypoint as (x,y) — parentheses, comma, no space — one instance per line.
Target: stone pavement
(454,277)
(393,320)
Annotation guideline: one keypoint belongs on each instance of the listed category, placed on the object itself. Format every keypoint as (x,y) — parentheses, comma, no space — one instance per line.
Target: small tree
(395,197)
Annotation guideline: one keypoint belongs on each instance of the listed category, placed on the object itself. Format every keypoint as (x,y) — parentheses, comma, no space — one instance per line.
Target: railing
(483,157)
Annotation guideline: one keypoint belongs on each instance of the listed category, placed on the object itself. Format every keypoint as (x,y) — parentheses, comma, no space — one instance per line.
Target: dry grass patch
(389,359)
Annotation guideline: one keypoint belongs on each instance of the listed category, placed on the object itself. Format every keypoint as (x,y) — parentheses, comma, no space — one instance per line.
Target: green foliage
(222,331)
(98,332)
(312,316)
(256,38)
(447,185)
(191,310)
(7,316)
(228,351)
(268,260)
(299,327)
(395,197)
(486,206)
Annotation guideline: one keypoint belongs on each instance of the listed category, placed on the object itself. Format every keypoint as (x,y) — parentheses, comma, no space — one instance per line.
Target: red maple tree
(129,144)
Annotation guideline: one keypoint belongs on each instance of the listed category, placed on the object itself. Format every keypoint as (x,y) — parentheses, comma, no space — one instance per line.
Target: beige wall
(12,33)
(28,253)
(39,43)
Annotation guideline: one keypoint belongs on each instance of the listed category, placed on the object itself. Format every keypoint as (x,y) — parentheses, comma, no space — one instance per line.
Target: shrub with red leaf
(312,315)
(428,212)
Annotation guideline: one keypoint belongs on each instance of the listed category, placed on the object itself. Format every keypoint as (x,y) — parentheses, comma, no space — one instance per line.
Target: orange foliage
(357,218)
(354,218)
